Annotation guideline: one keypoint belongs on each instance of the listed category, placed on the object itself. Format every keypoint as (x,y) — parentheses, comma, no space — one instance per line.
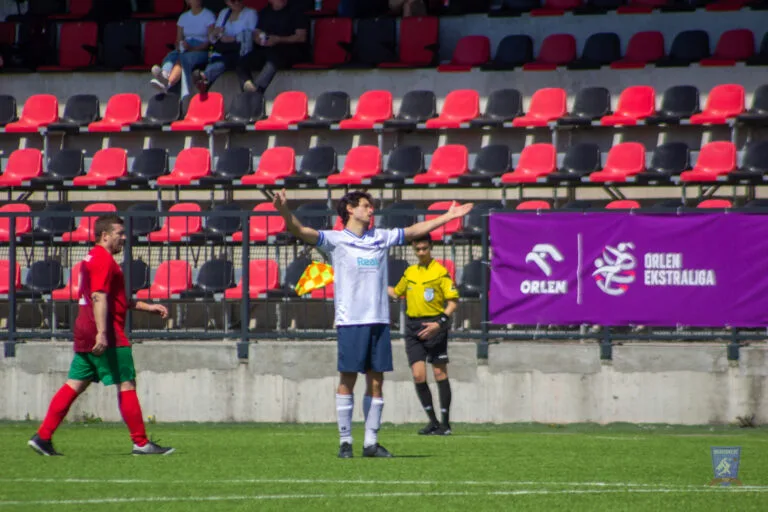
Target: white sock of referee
(345,405)
(372,420)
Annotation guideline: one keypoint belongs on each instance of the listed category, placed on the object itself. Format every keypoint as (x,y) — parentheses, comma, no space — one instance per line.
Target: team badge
(429,294)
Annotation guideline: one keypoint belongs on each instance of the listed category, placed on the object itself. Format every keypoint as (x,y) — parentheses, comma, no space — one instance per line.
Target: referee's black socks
(425,397)
(444,389)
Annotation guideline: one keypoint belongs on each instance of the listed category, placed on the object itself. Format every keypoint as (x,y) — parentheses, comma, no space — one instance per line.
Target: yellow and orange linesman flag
(316,275)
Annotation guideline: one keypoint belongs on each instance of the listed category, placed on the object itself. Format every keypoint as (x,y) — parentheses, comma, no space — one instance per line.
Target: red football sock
(58,409)
(131,411)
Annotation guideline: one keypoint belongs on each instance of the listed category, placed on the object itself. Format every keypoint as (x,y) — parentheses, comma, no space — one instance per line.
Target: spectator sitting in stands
(232,38)
(280,41)
(191,37)
(408,7)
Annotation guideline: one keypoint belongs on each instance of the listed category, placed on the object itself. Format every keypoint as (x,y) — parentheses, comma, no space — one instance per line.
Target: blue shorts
(364,347)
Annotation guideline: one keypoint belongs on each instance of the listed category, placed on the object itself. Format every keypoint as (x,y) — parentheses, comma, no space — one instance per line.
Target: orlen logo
(367,262)
(540,256)
(615,270)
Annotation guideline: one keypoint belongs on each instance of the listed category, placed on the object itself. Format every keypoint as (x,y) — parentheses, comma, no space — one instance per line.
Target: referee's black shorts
(433,350)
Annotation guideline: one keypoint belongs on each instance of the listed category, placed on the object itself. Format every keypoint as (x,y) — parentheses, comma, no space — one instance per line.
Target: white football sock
(344,406)
(373,422)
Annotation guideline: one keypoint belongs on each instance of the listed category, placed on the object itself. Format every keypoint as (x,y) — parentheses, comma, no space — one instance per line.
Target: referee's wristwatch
(444,321)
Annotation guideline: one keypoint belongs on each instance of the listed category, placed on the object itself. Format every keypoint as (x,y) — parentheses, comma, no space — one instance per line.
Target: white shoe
(159,84)
(157,72)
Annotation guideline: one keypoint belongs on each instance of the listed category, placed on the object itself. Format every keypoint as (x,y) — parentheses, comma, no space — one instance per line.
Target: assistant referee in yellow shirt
(431,298)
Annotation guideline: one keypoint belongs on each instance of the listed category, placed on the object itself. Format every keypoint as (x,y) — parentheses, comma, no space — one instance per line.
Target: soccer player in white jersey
(359,259)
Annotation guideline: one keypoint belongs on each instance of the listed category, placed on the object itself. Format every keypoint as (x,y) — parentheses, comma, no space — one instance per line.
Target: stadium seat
(555,7)
(338,225)
(106,167)
(122,44)
(360,165)
(732,47)
(49,227)
(142,225)
(159,39)
(85,228)
(204,110)
(513,52)
(474,227)
(5,277)
(64,165)
(8,112)
(757,115)
(667,162)
(162,9)
(399,214)
(374,42)
(147,167)
(216,228)
(643,48)
(503,106)
(191,164)
(448,162)
(445,231)
(325,293)
(688,47)
(624,160)
(492,161)
(449,265)
(403,162)
(533,204)
(678,103)
(288,109)
(177,229)
(418,43)
(591,104)
(171,279)
(122,110)
(460,106)
(641,6)
(395,270)
(601,49)
(78,9)
(536,161)
(328,8)
(761,57)
(232,164)
(715,204)
(22,225)
(246,108)
(547,105)
(373,108)
(470,51)
(79,111)
(274,164)
(213,278)
(580,160)
(471,286)
(330,108)
(77,46)
(317,163)
(332,44)
(39,110)
(556,50)
(576,205)
(263,228)
(263,275)
(162,110)
(416,107)
(635,104)
(293,273)
(71,291)
(716,159)
(42,278)
(512,7)
(139,278)
(754,166)
(723,103)
(622,204)
(23,165)
(730,5)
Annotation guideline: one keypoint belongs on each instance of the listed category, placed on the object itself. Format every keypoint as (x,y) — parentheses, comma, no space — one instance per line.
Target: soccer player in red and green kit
(102,350)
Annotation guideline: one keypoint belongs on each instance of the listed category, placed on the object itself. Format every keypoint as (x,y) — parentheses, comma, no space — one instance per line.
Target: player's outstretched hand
(459,210)
(158,309)
(280,201)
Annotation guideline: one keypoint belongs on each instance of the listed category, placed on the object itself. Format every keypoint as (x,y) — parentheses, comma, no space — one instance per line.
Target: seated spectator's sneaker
(376,450)
(151,449)
(430,429)
(158,79)
(42,446)
(200,81)
(345,451)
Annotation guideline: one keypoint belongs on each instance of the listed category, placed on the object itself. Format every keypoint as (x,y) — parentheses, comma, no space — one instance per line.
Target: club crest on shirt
(429,294)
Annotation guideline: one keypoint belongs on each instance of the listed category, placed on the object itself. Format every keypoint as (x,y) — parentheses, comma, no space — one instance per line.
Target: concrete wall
(522,382)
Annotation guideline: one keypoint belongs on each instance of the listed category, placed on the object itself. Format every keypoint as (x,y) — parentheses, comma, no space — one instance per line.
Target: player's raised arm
(294,226)
(421,229)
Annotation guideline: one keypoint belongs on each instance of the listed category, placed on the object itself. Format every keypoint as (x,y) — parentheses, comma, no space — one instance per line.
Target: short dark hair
(351,199)
(104,224)
(425,238)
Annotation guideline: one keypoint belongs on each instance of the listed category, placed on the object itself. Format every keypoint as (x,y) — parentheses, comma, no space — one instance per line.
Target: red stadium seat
(204,110)
(176,228)
(715,159)
(536,161)
(23,165)
(448,162)
(159,38)
(172,278)
(122,110)
(107,165)
(641,6)
(39,110)
(732,47)
(70,292)
(534,204)
(556,50)
(328,8)
(289,108)
(331,42)
(373,107)
(263,228)
(7,33)
(635,103)
(5,274)
(77,46)
(449,266)
(643,48)
(547,105)
(470,51)
(191,164)
(263,275)
(624,160)
(556,7)
(78,9)
(274,164)
(622,204)
(460,107)
(256,4)
(327,292)
(418,42)
(163,9)
(362,162)
(727,5)
(715,203)
(85,228)
(447,229)
(22,224)
(723,103)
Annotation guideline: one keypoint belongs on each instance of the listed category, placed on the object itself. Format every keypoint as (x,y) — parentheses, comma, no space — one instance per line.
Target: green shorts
(112,367)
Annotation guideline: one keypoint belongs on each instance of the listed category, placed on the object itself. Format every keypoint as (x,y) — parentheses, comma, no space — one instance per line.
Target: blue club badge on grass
(725,463)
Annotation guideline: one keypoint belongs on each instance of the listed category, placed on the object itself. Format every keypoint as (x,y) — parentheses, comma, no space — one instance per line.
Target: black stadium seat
(754,166)
(375,42)
(8,111)
(513,51)
(330,108)
(473,228)
(232,164)
(49,227)
(122,44)
(219,227)
(679,102)
(66,164)
(503,106)
(758,113)
(688,47)
(214,277)
(590,105)
(139,275)
(313,214)
(395,270)
(318,163)
(492,161)
(599,6)
(761,57)
(245,109)
(512,7)
(397,215)
(42,278)
(580,160)
(292,275)
(142,225)
(80,111)
(148,165)
(668,160)
(404,162)
(162,110)
(471,286)
(601,49)
(416,107)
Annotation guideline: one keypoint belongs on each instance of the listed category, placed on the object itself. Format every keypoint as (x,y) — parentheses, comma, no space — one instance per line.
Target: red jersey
(100,272)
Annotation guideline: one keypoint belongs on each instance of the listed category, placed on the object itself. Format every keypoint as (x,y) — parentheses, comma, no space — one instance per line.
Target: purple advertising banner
(617,268)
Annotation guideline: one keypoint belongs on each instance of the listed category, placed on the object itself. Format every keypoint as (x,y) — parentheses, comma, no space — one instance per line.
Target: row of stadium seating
(494,165)
(461,109)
